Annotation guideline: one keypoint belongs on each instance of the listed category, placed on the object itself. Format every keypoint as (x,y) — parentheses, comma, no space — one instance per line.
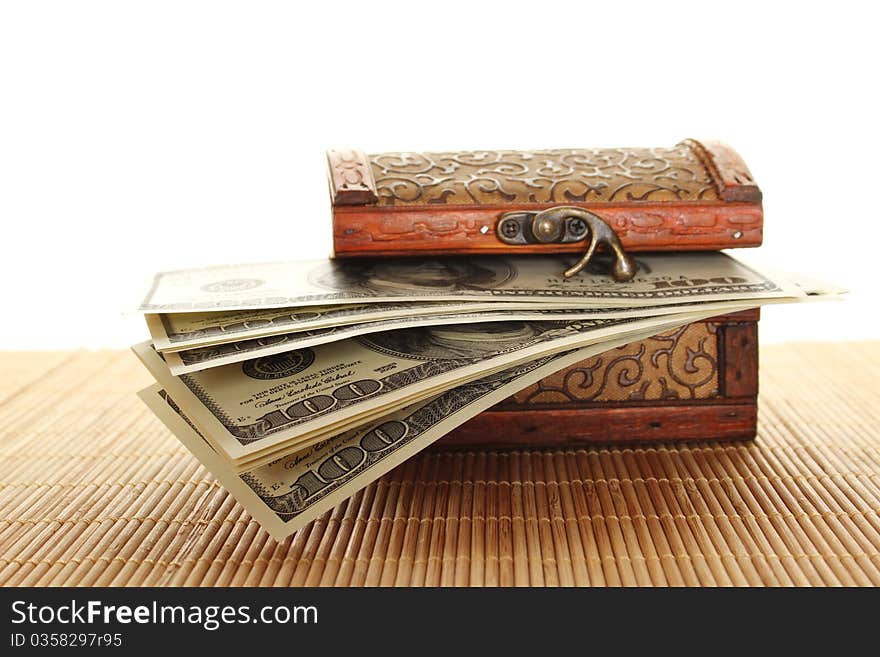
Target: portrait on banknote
(453,342)
(424,275)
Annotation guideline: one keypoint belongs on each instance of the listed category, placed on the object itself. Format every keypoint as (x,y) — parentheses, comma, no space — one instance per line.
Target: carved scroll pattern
(679,364)
(548,176)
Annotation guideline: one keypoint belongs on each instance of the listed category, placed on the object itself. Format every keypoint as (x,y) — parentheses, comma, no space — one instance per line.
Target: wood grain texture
(739,350)
(606,424)
(94,490)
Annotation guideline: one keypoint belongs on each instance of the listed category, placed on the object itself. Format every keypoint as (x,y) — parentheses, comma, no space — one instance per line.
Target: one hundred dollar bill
(186,361)
(293,490)
(661,279)
(178,331)
(251,410)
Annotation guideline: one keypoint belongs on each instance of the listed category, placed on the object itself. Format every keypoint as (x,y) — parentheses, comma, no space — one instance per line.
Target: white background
(137,137)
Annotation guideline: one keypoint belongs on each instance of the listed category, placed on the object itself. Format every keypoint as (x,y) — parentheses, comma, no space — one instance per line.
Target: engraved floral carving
(547,176)
(676,365)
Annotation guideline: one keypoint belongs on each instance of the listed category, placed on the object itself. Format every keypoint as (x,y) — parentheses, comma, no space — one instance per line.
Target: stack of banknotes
(297,384)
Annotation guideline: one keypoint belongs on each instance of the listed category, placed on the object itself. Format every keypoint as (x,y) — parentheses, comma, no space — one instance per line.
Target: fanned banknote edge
(199,446)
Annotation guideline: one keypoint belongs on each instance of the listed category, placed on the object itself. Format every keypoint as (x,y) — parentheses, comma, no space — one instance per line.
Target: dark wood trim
(738,348)
(620,424)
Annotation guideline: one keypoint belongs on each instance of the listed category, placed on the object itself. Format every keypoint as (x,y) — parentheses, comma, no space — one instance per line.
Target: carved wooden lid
(691,171)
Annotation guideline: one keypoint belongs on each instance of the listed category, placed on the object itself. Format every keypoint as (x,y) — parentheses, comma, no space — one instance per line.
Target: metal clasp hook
(566,224)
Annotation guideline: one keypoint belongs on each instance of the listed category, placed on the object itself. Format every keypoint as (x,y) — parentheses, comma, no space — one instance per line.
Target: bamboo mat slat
(94,491)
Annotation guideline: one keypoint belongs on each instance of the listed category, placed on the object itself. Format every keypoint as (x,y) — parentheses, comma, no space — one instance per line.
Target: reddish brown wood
(447,230)
(606,424)
(350,177)
(739,349)
(735,182)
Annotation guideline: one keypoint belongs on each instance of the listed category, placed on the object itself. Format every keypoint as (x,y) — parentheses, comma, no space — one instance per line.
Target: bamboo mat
(94,491)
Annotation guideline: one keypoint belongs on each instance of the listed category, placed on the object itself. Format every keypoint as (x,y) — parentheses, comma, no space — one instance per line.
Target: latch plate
(564,225)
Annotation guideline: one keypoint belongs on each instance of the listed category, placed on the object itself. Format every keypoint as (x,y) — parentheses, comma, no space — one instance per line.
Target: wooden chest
(697,382)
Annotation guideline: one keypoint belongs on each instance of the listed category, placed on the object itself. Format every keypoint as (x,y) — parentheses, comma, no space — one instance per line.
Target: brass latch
(563,225)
